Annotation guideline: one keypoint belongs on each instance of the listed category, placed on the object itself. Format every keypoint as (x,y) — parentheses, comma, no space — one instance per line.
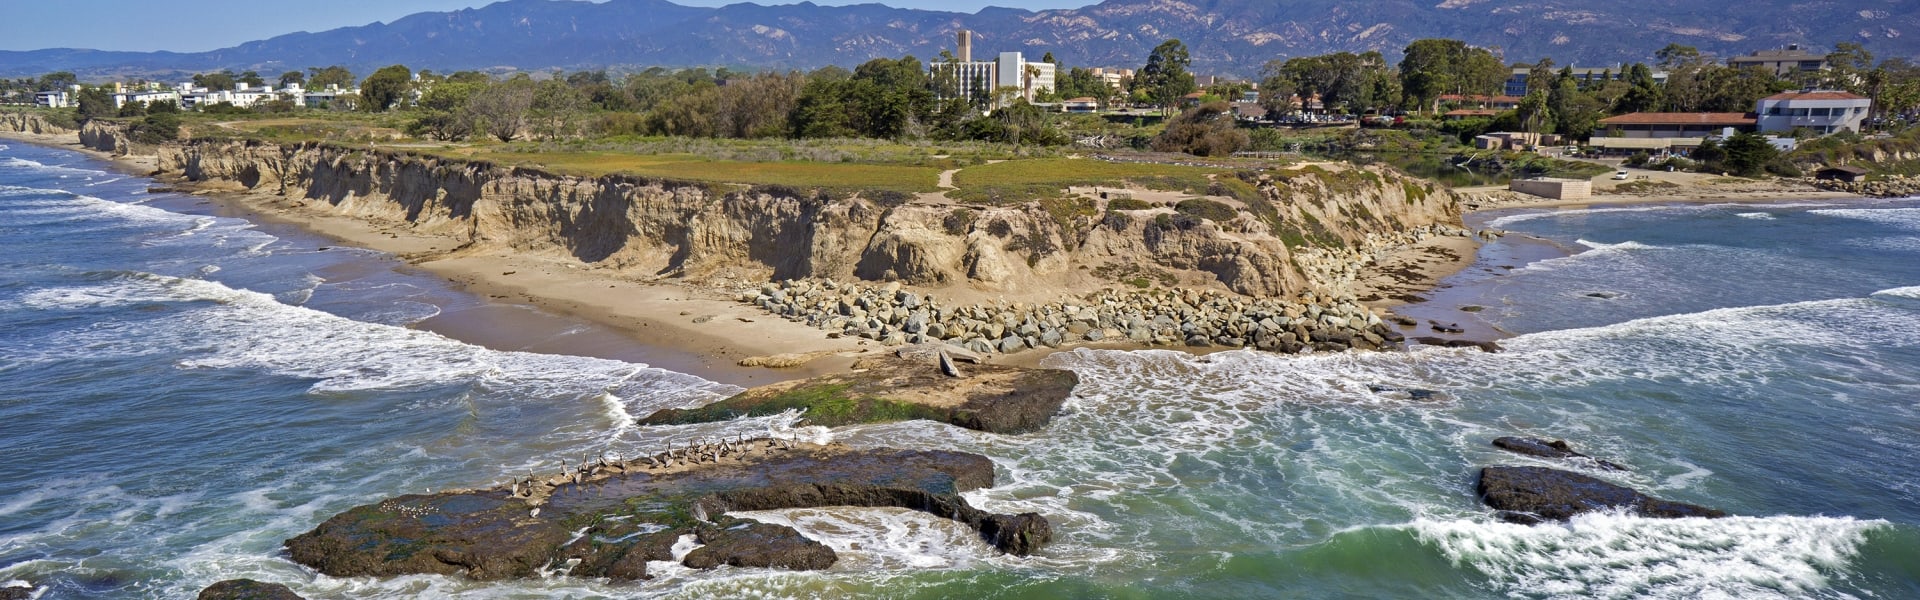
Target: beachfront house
(1819,111)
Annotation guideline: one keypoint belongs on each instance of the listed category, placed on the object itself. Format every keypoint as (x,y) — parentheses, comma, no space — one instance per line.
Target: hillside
(1226,36)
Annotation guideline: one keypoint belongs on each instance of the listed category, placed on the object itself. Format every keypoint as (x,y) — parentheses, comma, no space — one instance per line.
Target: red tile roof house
(1675,125)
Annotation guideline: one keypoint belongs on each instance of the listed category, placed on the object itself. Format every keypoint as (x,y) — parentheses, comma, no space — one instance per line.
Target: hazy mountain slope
(1227,36)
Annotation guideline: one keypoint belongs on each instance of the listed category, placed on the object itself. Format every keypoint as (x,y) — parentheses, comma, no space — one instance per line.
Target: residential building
(1673,125)
(53,99)
(981,79)
(1819,111)
(1517,78)
(1114,78)
(1783,63)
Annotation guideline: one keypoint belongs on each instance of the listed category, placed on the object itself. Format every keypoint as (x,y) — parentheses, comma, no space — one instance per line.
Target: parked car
(1619,175)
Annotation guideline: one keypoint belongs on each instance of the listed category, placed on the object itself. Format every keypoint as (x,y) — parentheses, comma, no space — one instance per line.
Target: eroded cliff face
(15,122)
(106,137)
(651,227)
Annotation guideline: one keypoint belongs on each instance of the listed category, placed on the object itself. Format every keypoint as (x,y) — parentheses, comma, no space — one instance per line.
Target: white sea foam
(1509,220)
(884,538)
(1614,555)
(1756,215)
(1910,292)
(1905,218)
(256,331)
(15,162)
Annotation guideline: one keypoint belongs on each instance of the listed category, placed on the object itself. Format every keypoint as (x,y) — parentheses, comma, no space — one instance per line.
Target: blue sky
(198,25)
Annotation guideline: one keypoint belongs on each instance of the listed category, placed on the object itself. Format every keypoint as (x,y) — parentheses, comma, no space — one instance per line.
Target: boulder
(247,589)
(1548,449)
(1530,495)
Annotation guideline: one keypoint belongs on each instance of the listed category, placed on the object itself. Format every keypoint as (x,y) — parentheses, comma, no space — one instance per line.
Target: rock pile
(1198,318)
(1338,268)
(1893,187)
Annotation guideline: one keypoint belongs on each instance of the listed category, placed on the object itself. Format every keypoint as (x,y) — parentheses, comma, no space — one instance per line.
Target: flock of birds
(711,450)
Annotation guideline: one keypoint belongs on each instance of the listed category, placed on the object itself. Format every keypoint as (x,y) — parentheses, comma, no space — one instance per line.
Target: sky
(200,25)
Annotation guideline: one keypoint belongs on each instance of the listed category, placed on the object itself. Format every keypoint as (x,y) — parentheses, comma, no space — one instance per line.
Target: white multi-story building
(982,79)
(54,99)
(1819,111)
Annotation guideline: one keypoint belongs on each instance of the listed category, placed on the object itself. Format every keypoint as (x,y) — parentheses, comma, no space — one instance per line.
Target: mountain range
(1230,37)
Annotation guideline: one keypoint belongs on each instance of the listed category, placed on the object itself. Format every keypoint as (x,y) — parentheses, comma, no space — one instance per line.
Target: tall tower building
(966,46)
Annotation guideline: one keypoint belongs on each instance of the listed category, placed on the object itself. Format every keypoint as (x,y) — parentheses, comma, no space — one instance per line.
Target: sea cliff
(1303,231)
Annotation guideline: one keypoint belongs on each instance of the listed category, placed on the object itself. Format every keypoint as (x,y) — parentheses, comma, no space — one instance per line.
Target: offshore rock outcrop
(609,519)
(1531,495)
(247,589)
(698,231)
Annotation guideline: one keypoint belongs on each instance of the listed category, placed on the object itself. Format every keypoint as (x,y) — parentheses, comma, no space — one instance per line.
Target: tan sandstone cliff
(1279,243)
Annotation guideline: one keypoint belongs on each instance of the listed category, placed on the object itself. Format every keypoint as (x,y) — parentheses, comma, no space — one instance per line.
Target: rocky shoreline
(1893,187)
(1168,318)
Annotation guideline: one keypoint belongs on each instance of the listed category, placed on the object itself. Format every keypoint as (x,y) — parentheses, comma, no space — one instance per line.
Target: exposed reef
(609,518)
(992,398)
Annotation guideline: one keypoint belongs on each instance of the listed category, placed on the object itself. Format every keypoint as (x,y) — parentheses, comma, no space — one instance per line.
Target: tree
(1847,67)
(223,80)
(1541,76)
(1165,77)
(250,79)
(385,88)
(500,109)
(292,78)
(56,81)
(94,103)
(1748,154)
(1675,56)
(1533,113)
(757,106)
(1644,95)
(1433,67)
(445,111)
(319,78)
(557,109)
(1205,130)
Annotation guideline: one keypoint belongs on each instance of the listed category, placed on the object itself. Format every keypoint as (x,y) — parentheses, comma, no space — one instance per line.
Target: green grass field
(1027,180)
(688,167)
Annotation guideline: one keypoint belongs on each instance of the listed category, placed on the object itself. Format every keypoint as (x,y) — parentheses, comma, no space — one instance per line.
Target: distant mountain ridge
(1224,36)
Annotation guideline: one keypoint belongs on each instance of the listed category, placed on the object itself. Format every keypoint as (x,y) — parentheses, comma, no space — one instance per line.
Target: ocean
(182,390)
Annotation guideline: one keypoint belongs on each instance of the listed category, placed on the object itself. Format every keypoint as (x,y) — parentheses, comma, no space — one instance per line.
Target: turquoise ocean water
(181,391)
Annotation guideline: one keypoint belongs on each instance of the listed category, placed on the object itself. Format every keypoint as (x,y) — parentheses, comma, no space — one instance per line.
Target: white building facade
(981,79)
(1820,111)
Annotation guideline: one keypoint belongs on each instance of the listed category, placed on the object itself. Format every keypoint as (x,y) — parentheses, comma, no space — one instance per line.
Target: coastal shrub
(1128,203)
(1206,209)
(1207,130)
(157,129)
